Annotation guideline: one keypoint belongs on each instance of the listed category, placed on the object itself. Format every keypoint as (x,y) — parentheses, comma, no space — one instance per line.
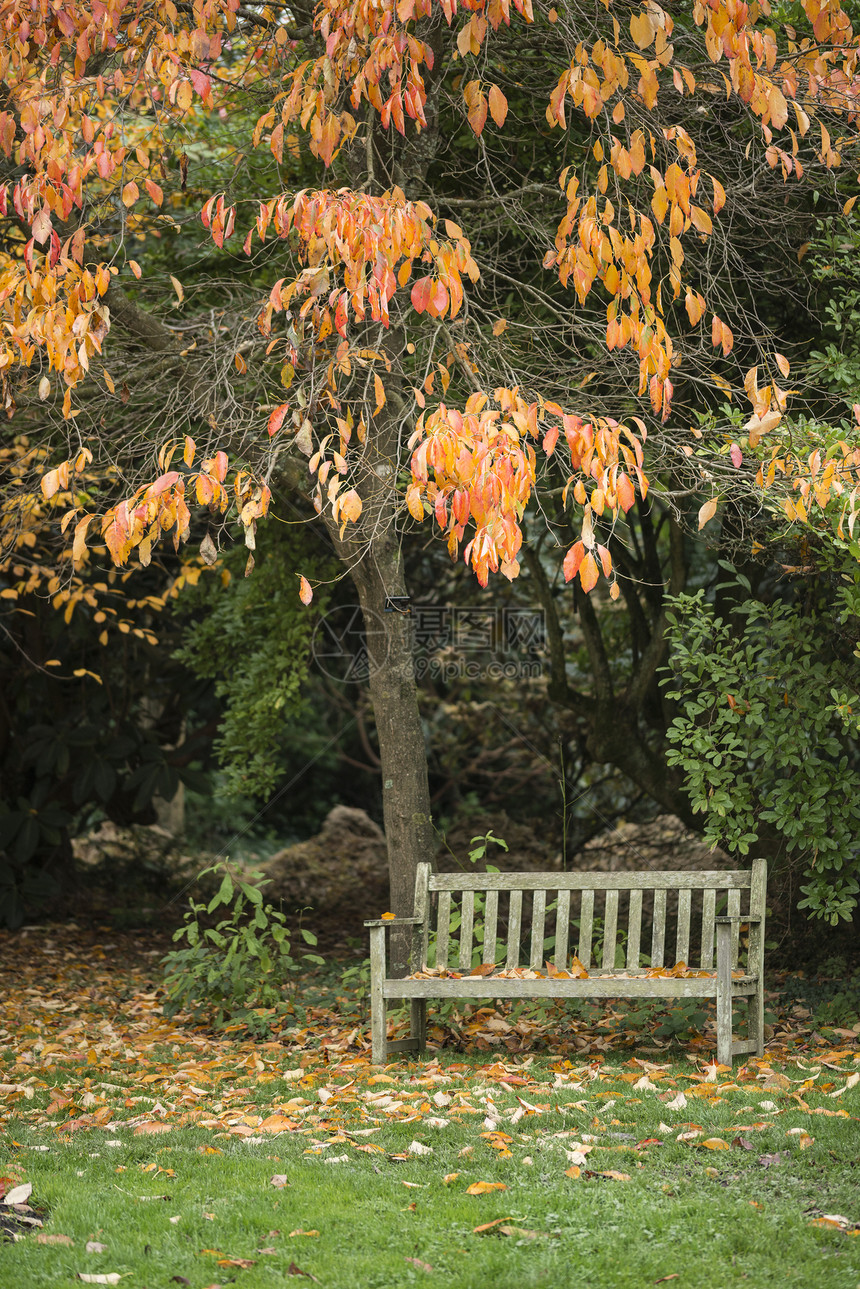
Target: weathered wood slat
(733,910)
(562,930)
(610,928)
(515,919)
(443,921)
(658,930)
(724,993)
(589,881)
(586,922)
(709,906)
(491,922)
(538,921)
(682,939)
(634,929)
(608,986)
(421,934)
(467,922)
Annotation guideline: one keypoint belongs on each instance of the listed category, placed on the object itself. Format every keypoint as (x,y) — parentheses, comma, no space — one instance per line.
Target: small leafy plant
(233,973)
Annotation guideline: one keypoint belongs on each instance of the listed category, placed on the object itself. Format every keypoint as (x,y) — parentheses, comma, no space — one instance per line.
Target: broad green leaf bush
(766,757)
(233,974)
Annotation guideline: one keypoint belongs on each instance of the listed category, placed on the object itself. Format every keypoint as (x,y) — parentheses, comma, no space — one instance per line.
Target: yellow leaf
(782,363)
(573,1171)
(130,193)
(306,593)
(499,326)
(380,394)
(449,1178)
(177,286)
(109,380)
(388,917)
(483,1188)
(588,572)
(715,1143)
(707,512)
(135,268)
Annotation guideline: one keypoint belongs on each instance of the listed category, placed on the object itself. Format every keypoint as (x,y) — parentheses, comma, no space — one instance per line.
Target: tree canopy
(509,273)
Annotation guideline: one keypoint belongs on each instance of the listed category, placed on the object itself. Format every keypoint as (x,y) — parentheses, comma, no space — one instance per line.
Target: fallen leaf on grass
(715,1143)
(673,1276)
(418,1148)
(488,1226)
(279,1181)
(110,1278)
(449,1178)
(836,1222)
(244,1264)
(501,1227)
(853,1080)
(299,1232)
(574,1171)
(804,1140)
(482,1188)
(152,1127)
(93,1246)
(18,1195)
(422,1266)
(278,1123)
(609,1172)
(45,1238)
(776,1158)
(293,1270)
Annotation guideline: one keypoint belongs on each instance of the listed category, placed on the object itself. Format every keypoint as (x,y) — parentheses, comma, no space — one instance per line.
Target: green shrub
(233,974)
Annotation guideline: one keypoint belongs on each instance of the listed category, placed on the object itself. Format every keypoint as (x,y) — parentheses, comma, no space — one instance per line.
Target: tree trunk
(402,751)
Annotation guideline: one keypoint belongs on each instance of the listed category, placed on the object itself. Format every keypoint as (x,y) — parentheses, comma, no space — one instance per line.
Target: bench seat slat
(607,986)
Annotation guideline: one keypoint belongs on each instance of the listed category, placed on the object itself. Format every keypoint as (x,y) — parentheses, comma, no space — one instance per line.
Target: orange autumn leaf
(483,1188)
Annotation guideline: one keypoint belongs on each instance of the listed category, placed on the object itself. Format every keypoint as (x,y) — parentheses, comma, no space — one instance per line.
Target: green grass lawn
(378,1169)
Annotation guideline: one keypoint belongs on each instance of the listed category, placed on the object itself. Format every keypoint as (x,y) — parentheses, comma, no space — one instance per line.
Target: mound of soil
(341,874)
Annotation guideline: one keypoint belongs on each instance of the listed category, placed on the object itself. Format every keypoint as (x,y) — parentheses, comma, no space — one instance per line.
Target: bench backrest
(590,914)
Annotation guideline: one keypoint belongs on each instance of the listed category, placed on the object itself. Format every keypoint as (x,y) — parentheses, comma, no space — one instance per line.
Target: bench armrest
(728,918)
(394,922)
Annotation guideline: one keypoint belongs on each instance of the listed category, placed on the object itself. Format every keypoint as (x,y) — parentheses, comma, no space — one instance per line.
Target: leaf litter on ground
(89,1051)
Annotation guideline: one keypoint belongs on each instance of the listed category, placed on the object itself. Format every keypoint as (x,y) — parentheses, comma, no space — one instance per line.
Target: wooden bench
(606,908)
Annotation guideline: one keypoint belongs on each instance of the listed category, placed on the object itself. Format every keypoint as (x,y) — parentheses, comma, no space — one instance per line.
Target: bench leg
(724,994)
(756,1018)
(418,1026)
(378,1020)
